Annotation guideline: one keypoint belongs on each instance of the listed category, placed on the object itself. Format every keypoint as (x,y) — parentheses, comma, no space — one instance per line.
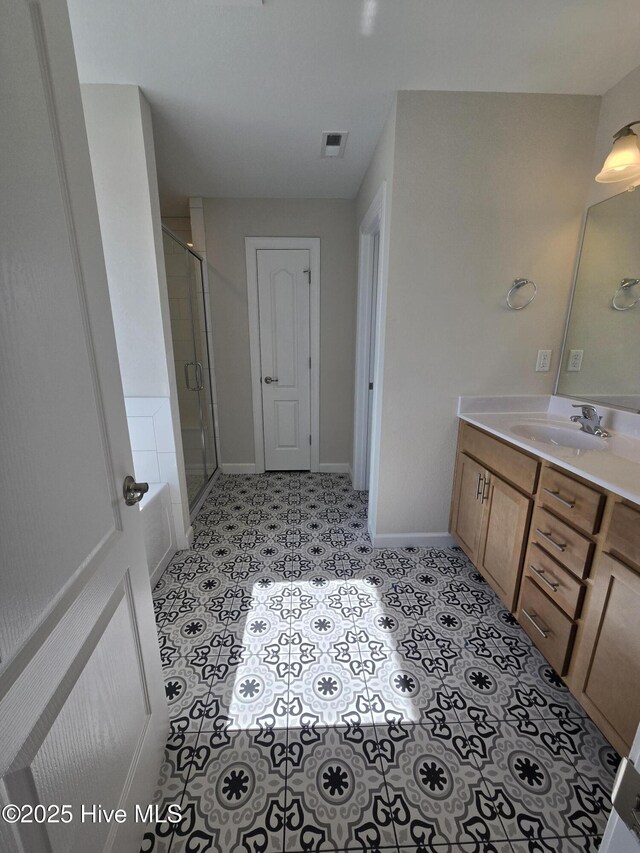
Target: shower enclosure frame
(202,375)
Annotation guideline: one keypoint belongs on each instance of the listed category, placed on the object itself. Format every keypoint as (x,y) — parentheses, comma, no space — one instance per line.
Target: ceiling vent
(333,143)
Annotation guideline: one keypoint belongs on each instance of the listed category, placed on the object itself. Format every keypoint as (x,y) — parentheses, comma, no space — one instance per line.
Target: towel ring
(517,284)
(625,285)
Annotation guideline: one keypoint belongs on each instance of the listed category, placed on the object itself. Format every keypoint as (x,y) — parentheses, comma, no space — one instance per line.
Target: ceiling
(241,92)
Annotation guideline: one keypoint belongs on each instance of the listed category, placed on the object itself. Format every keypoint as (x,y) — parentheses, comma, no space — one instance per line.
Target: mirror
(601,354)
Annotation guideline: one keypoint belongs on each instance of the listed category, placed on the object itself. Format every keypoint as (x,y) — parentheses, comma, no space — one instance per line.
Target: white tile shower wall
(153,450)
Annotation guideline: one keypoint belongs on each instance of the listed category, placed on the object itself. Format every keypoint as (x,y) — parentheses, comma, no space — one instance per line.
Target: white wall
(380,168)
(227,222)
(119,130)
(486,187)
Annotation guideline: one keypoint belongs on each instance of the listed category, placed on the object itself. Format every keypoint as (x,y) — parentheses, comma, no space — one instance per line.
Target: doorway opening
(372,276)
(283,283)
(372,300)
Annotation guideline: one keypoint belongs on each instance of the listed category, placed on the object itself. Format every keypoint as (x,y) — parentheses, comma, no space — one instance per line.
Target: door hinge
(309,362)
(371,386)
(309,441)
(308,272)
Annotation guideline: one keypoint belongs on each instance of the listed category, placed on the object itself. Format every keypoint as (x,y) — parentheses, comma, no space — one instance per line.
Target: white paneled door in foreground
(83,716)
(284,284)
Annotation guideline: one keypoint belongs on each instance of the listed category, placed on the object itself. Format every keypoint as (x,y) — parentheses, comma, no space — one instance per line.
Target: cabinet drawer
(549,628)
(509,463)
(560,585)
(561,541)
(623,537)
(574,501)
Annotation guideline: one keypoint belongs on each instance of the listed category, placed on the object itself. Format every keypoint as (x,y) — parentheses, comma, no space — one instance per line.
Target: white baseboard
(156,574)
(238,467)
(334,468)
(189,536)
(250,468)
(418,540)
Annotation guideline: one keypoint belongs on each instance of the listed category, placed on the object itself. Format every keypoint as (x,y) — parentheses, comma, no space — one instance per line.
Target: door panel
(505,538)
(115,735)
(468,507)
(613,670)
(372,349)
(82,708)
(283,297)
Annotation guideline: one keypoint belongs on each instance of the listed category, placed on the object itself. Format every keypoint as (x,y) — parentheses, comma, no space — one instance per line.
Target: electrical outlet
(543,362)
(575,360)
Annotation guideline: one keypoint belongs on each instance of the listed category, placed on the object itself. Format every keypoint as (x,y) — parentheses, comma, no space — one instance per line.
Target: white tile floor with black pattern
(326,696)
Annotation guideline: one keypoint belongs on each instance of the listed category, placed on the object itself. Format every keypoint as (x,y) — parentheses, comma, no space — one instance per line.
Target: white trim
(239,468)
(376,219)
(189,536)
(417,540)
(252,245)
(157,573)
(334,468)
(372,223)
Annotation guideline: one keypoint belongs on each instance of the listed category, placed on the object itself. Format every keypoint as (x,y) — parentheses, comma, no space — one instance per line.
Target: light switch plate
(543,362)
(575,360)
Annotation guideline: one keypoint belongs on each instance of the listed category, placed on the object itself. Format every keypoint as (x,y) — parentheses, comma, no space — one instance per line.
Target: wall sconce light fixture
(623,163)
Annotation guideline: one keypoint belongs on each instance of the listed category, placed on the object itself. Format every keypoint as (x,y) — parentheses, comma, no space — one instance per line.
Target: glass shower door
(191,344)
(202,367)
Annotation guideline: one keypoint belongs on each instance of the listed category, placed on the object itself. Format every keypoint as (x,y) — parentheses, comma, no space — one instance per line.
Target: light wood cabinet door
(504,540)
(468,509)
(608,666)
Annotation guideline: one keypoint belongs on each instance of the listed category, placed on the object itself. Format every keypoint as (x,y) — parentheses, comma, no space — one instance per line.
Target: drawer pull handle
(547,537)
(485,489)
(540,573)
(556,495)
(532,618)
(479,487)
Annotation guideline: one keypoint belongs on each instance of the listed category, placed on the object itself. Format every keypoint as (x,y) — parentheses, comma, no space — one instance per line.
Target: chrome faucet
(589,420)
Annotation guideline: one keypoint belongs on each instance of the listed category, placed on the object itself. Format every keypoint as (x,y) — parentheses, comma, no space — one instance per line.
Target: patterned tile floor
(326,696)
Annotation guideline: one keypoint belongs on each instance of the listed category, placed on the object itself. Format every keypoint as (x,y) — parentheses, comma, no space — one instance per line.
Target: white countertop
(614,465)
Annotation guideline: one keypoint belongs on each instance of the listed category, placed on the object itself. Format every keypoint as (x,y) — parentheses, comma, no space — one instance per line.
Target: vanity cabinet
(491,507)
(564,556)
(606,674)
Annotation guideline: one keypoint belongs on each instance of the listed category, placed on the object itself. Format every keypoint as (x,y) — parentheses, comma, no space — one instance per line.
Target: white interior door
(372,348)
(284,309)
(83,717)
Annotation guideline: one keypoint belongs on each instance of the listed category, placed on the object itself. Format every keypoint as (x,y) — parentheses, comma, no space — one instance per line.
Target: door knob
(269,379)
(133,492)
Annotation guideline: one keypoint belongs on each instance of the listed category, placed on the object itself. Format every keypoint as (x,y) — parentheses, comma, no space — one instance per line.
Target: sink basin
(559,436)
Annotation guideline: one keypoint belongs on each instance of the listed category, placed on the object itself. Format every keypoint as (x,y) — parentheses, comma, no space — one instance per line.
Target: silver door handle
(532,618)
(199,376)
(540,573)
(187,365)
(133,492)
(479,487)
(547,538)
(556,495)
(269,379)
